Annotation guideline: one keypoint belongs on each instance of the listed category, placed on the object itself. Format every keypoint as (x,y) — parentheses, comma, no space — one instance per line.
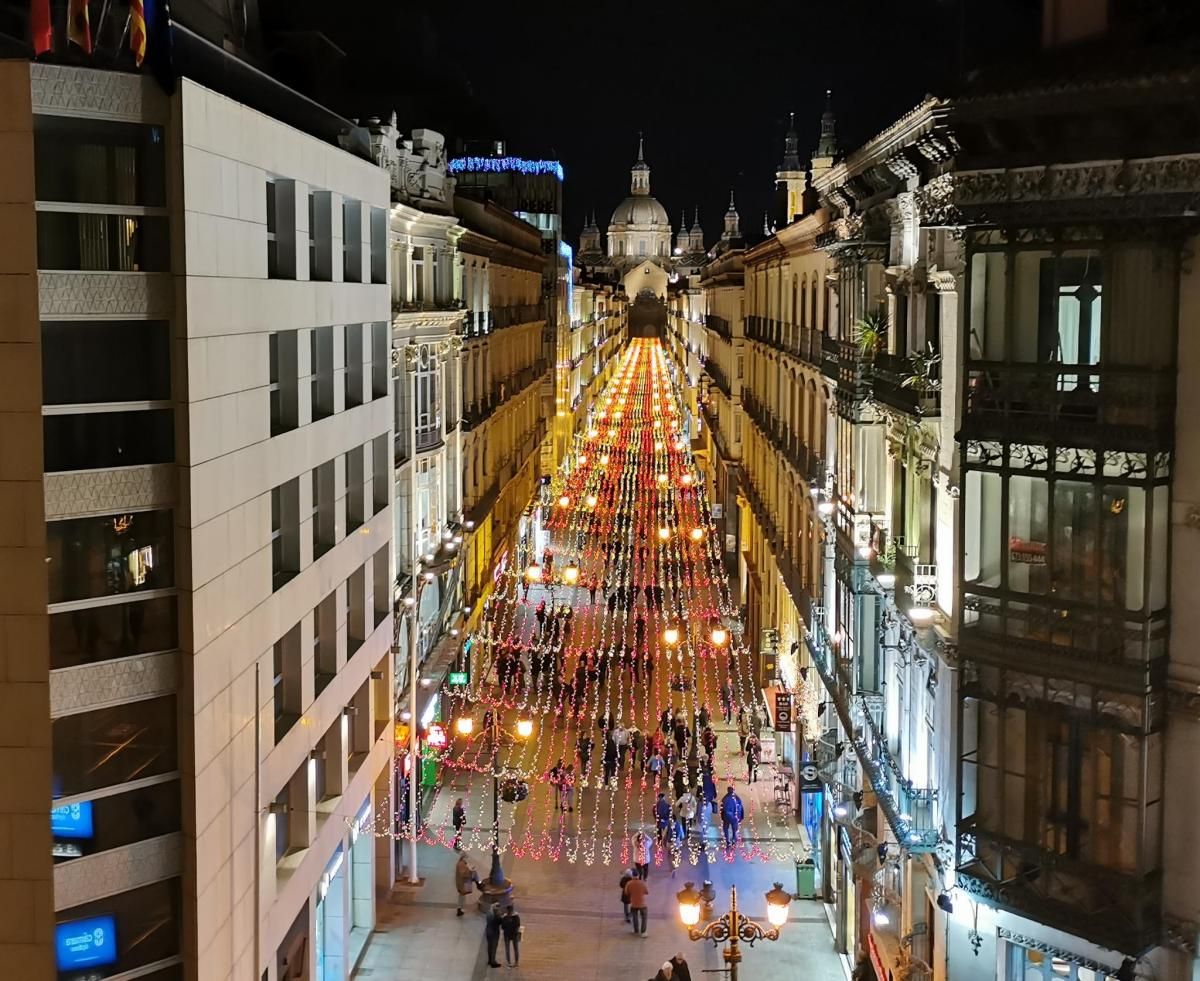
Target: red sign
(435,736)
(501,565)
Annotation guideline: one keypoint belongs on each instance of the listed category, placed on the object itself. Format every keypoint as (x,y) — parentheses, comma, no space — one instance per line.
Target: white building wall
(230,616)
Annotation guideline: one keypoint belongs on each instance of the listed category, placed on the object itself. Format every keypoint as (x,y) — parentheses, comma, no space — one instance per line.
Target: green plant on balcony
(870,333)
(925,375)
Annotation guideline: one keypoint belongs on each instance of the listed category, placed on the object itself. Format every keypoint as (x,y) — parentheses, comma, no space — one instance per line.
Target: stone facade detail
(84,492)
(70,295)
(117,870)
(91,686)
(79,92)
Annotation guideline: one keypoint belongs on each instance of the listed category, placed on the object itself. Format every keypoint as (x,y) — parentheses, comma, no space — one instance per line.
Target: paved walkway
(574,927)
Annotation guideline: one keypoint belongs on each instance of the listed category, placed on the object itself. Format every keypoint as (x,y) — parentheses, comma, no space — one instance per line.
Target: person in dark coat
(510,926)
(459,819)
(679,968)
(491,933)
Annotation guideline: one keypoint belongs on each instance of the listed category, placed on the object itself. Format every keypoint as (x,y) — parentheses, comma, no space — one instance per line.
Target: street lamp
(465,725)
(496,882)
(571,574)
(720,636)
(533,573)
(733,928)
(671,635)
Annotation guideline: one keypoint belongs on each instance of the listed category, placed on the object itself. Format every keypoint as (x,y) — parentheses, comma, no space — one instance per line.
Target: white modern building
(196,704)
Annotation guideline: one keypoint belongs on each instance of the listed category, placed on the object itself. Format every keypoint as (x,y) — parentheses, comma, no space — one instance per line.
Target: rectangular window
(382,586)
(355,503)
(356,612)
(418,274)
(284,381)
(148,927)
(281,228)
(320,353)
(379,245)
(111,746)
(324,513)
(381,361)
(354,365)
(286,681)
(381,474)
(105,361)
(352,265)
(285,532)
(109,555)
(283,822)
(108,440)
(92,161)
(115,630)
(325,642)
(116,820)
(103,242)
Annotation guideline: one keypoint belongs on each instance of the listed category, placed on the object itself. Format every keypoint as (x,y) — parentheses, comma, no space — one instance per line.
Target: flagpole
(100,22)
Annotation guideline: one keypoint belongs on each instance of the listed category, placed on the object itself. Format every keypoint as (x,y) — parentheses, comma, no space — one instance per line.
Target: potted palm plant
(870,333)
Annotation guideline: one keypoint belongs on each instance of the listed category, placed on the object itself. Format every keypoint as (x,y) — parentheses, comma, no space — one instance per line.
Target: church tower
(640,174)
(822,158)
(789,177)
(683,238)
(589,238)
(697,233)
(732,229)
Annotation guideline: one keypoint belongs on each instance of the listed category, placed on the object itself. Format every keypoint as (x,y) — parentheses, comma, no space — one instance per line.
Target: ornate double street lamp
(497,888)
(733,928)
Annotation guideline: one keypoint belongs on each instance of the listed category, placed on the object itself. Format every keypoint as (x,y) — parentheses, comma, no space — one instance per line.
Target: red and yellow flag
(137,30)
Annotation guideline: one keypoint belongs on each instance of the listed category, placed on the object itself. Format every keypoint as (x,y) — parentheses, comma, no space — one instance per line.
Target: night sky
(709,84)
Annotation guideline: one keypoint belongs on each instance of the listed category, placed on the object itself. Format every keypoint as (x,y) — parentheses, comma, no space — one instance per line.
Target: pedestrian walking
(732,813)
(743,729)
(709,787)
(636,892)
(687,813)
(491,933)
(753,753)
(568,788)
(662,816)
(679,968)
(510,927)
(665,973)
(465,880)
(624,881)
(459,819)
(642,843)
(611,755)
(655,766)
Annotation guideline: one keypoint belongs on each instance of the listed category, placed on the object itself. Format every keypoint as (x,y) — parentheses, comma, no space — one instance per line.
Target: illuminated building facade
(197,563)
(963,459)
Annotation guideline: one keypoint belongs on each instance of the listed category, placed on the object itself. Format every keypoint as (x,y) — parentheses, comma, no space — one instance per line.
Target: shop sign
(402,735)
(72,820)
(86,943)
(459,678)
(810,778)
(783,711)
(435,736)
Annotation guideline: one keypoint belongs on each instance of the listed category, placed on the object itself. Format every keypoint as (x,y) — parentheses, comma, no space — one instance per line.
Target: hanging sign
(783,711)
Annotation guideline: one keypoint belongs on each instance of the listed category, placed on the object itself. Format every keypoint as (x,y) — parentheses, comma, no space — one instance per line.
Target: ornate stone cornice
(1067,955)
(1183,701)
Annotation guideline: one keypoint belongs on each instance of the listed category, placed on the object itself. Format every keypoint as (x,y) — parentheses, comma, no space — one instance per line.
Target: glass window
(107,440)
(1076,568)
(105,361)
(104,242)
(285,532)
(148,924)
(98,162)
(284,382)
(111,746)
(103,556)
(115,630)
(1028,535)
(988,303)
(982,528)
(352,241)
(116,820)
(320,359)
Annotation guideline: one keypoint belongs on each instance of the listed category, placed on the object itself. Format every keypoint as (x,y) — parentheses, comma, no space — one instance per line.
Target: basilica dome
(640,209)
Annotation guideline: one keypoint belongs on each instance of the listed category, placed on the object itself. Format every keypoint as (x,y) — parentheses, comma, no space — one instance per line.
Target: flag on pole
(41,33)
(137,30)
(79,29)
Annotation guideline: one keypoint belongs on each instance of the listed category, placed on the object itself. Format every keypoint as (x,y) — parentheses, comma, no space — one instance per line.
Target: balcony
(802,343)
(512,316)
(909,810)
(793,449)
(714,372)
(1121,911)
(501,393)
(895,383)
(719,326)
(1083,405)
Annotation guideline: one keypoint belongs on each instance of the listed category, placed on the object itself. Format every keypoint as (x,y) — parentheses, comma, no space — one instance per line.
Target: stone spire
(791,148)
(790,177)
(683,238)
(732,221)
(697,233)
(827,145)
(640,174)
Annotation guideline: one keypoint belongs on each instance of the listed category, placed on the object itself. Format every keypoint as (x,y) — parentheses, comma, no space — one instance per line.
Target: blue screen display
(72,820)
(86,943)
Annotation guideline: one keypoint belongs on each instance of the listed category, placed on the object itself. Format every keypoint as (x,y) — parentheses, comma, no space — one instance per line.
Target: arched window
(803,301)
(797,313)
(812,320)
(428,398)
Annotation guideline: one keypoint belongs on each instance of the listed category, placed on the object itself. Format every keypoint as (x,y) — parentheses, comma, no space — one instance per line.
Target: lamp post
(497,885)
(733,928)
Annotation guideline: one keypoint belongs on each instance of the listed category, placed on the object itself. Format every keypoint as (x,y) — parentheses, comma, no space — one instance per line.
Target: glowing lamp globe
(571,574)
(524,728)
(664,533)
(719,636)
(534,573)
(778,904)
(689,905)
(590,500)
(697,534)
(465,725)
(663,478)
(671,636)
(564,501)
(604,459)
(686,480)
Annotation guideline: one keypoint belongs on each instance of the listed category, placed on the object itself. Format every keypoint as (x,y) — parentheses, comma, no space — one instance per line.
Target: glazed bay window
(379,245)
(353,346)
(352,257)
(381,361)
(281,228)
(284,381)
(140,625)
(320,236)
(112,746)
(324,512)
(355,492)
(110,555)
(325,642)
(286,687)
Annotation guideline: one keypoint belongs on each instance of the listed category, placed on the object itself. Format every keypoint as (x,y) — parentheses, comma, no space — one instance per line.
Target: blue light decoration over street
(501,165)
(86,943)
